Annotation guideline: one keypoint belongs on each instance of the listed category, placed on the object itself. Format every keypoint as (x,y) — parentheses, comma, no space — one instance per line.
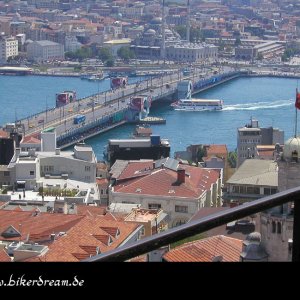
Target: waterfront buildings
(189,52)
(44,51)
(251,135)
(8,48)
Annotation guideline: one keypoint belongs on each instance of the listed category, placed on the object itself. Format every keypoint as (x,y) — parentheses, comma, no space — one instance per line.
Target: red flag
(297,103)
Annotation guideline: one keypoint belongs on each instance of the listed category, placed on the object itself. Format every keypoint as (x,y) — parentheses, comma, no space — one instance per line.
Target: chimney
(180,175)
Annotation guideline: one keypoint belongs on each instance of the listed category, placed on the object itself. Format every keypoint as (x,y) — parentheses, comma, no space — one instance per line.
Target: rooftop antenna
(188,22)
(297,106)
(163,50)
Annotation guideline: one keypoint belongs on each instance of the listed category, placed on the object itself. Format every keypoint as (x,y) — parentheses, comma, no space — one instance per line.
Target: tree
(232,159)
(110,62)
(80,54)
(125,53)
(104,54)
(181,30)
(237,42)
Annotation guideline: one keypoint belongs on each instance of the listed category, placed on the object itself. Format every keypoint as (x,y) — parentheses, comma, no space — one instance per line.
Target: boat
(198,104)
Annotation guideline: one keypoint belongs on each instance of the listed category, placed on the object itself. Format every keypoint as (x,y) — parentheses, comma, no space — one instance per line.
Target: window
(87,168)
(154,206)
(273,227)
(181,209)
(143,231)
(279,227)
(31,172)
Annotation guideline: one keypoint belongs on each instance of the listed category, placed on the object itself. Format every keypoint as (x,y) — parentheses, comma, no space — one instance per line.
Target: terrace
(204,224)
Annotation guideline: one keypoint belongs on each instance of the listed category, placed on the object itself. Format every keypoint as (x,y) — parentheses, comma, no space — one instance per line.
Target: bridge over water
(109,109)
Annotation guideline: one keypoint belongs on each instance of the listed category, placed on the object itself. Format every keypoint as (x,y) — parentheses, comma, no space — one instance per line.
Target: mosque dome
(292,148)
(151,32)
(254,237)
(156,20)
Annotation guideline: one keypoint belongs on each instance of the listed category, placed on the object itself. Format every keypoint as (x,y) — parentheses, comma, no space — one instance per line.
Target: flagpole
(296,114)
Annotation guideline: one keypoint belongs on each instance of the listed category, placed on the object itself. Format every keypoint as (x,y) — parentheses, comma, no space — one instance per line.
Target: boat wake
(258,105)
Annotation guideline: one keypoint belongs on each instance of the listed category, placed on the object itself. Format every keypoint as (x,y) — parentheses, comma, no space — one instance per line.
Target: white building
(191,52)
(45,50)
(31,169)
(71,43)
(132,11)
(8,48)
(178,191)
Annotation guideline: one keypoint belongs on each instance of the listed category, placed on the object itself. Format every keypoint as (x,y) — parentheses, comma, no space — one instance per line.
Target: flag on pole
(297,103)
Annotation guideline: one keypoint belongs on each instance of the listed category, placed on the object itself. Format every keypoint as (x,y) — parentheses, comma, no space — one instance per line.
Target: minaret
(163,49)
(188,22)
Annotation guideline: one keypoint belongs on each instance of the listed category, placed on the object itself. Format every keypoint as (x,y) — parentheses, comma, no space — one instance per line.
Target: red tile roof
(4,134)
(216,149)
(35,226)
(30,140)
(91,210)
(82,240)
(102,182)
(205,250)
(136,169)
(163,182)
(4,257)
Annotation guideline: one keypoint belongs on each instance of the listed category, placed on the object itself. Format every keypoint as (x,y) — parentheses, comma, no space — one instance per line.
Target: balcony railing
(198,226)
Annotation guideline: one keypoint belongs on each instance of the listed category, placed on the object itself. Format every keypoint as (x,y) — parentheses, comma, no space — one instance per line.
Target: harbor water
(270,100)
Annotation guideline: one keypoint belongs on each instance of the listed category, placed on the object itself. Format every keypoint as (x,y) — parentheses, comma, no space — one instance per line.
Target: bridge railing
(199,226)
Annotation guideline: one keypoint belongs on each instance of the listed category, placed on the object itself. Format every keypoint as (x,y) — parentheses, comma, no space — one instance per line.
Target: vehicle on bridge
(118,82)
(79,119)
(65,97)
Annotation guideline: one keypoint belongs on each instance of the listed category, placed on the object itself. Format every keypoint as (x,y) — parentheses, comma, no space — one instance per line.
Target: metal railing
(198,226)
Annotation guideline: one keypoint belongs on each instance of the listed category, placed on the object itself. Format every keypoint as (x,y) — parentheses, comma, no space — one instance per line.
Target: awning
(21,182)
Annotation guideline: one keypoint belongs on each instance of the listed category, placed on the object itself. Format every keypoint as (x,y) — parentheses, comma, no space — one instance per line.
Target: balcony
(202,225)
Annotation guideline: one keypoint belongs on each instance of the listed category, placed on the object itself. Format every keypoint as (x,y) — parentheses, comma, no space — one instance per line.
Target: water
(270,100)
(21,96)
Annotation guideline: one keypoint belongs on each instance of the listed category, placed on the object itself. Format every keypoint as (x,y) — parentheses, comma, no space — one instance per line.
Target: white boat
(198,104)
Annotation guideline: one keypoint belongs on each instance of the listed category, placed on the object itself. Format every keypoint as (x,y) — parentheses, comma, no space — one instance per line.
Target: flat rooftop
(142,215)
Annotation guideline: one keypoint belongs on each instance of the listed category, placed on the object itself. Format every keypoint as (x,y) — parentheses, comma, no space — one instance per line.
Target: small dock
(151,120)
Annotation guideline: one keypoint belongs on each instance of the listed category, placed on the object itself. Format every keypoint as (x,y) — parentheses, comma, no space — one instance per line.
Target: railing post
(296,231)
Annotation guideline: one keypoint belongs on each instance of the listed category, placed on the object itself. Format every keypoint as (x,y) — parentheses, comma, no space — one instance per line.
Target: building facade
(277,223)
(251,135)
(45,50)
(8,48)
(191,52)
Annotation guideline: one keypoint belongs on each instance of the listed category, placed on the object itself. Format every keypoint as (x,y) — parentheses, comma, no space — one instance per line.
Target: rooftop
(142,215)
(216,248)
(256,172)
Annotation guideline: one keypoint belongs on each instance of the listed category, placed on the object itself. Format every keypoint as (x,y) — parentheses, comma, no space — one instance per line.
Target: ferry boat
(198,104)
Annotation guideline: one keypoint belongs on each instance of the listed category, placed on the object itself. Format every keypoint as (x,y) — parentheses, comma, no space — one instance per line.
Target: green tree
(110,62)
(125,53)
(181,30)
(104,54)
(232,159)
(237,42)
(201,153)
